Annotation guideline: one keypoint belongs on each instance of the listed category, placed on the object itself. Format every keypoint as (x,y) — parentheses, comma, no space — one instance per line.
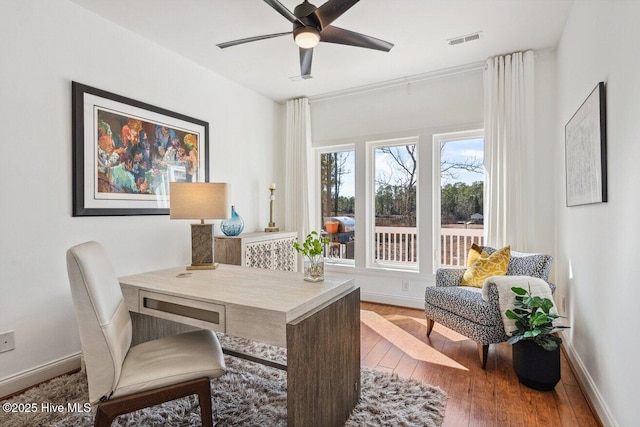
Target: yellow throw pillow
(474,253)
(495,264)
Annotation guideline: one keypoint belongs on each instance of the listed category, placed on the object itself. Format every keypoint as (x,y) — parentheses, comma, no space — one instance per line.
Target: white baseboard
(588,387)
(392,299)
(31,377)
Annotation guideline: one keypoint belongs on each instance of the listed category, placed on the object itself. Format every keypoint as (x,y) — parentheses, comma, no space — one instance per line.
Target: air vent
(464,39)
(471,37)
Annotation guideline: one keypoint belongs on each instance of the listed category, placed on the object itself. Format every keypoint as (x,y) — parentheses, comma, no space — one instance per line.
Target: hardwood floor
(394,340)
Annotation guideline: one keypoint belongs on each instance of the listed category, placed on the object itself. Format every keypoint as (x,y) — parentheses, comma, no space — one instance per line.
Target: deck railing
(398,245)
(455,244)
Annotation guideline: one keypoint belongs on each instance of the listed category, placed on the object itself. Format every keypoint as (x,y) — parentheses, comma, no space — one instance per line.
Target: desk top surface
(280,291)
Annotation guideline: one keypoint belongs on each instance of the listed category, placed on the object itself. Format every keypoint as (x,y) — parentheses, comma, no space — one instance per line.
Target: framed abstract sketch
(586,151)
(126,152)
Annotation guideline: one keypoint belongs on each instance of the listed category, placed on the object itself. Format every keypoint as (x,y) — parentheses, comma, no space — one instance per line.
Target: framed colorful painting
(126,152)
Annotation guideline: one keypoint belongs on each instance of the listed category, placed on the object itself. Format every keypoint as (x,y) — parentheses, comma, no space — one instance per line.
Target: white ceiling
(418,28)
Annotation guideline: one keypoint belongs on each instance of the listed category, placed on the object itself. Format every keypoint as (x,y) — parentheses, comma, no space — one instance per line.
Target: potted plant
(536,351)
(331,226)
(312,249)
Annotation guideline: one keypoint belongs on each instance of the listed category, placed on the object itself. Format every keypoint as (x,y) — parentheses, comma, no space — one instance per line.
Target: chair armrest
(449,276)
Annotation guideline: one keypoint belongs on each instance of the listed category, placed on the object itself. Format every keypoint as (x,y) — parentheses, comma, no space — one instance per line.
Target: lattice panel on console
(284,254)
(259,255)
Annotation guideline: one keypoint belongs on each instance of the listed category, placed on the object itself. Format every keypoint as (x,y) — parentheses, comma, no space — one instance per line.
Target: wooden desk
(319,323)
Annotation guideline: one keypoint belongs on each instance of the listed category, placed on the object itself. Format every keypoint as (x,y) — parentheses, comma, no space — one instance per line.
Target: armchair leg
(109,410)
(483,351)
(430,324)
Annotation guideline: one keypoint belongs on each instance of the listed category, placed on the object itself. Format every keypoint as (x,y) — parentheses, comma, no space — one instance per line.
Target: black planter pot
(536,367)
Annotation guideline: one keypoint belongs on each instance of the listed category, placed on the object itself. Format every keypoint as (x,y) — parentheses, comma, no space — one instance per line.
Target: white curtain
(508,126)
(297,166)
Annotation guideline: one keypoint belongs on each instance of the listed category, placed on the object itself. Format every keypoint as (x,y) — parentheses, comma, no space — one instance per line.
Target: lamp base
(202,245)
(271,229)
(203,266)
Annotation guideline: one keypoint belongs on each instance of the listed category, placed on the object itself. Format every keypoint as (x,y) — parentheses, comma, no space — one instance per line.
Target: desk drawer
(205,315)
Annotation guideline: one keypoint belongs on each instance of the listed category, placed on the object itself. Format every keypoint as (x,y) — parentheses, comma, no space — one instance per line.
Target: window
(337,204)
(395,185)
(419,201)
(458,201)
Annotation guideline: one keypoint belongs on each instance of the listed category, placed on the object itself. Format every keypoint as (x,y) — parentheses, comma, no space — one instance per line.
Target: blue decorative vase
(234,225)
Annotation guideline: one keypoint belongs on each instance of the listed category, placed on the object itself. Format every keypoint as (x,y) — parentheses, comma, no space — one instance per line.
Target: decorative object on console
(205,200)
(312,249)
(536,352)
(234,225)
(272,225)
(586,151)
(154,147)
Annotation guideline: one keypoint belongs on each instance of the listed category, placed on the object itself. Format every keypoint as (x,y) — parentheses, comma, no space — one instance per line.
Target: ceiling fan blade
(251,39)
(332,10)
(306,55)
(337,35)
(282,10)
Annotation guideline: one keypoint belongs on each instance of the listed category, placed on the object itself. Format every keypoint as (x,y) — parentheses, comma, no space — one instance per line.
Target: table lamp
(199,200)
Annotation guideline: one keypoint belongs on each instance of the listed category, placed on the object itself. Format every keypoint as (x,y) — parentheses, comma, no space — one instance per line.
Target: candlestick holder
(272,225)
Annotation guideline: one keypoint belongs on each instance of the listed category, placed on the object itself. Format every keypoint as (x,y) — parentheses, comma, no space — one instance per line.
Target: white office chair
(124,378)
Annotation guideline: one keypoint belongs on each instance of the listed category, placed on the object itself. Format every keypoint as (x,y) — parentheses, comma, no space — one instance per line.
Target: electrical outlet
(405,286)
(7,341)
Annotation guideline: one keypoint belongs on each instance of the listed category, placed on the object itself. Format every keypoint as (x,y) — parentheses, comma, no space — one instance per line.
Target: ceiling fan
(312,25)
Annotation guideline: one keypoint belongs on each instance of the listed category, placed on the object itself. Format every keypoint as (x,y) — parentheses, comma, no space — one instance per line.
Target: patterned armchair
(462,308)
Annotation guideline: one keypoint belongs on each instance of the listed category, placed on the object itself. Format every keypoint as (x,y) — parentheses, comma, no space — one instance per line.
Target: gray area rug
(249,394)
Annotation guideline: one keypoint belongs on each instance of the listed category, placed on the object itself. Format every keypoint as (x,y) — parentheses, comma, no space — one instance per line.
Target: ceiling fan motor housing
(306,23)
(304,13)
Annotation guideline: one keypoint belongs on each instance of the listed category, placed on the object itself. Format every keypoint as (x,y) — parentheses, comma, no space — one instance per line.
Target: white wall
(597,268)
(444,103)
(46,45)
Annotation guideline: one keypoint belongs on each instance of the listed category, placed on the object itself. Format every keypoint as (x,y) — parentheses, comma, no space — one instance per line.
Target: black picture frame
(125,169)
(586,151)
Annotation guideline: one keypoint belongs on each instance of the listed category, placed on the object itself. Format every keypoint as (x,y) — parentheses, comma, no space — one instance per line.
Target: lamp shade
(198,200)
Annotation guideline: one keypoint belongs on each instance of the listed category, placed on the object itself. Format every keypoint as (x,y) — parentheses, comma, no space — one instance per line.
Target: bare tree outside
(450,167)
(333,169)
(396,176)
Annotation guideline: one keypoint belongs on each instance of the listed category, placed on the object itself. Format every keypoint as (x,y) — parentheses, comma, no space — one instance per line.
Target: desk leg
(323,359)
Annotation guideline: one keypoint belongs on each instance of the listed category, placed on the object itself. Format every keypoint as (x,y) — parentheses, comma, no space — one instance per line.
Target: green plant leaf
(533,319)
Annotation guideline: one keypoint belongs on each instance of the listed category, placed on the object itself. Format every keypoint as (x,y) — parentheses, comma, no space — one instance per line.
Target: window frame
(370,215)
(319,151)
(438,139)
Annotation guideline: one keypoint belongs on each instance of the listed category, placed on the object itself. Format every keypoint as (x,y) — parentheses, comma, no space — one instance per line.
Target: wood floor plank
(567,416)
(476,397)
(580,407)
(392,358)
(507,392)
(373,358)
(406,366)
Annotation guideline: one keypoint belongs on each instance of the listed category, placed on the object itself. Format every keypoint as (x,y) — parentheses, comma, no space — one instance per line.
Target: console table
(318,323)
(273,251)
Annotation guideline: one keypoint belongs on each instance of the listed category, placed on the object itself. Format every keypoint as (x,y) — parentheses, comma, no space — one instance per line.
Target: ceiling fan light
(307,37)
